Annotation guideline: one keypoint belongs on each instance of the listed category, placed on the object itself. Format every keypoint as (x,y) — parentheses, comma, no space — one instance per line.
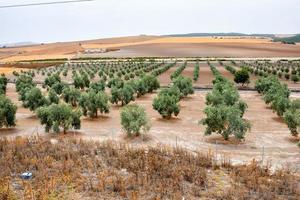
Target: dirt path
(189,70)
(165,78)
(205,76)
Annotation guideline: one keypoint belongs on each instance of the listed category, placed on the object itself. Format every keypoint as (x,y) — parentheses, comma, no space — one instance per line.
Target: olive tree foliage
(3,84)
(277,95)
(7,112)
(146,84)
(167,102)
(98,86)
(34,99)
(51,80)
(123,94)
(91,102)
(24,81)
(52,97)
(59,116)
(184,84)
(134,120)
(224,111)
(242,76)
(292,117)
(81,81)
(71,95)
(226,121)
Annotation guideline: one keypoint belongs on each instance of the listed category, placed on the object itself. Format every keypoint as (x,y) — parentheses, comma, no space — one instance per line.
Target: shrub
(58,116)
(134,120)
(7,112)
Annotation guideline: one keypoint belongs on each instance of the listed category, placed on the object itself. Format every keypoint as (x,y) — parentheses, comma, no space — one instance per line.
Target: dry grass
(75,169)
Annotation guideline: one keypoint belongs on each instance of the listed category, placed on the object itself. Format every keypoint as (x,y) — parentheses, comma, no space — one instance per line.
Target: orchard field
(195,105)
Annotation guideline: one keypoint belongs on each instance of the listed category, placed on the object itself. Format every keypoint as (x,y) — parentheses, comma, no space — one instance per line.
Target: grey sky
(109,18)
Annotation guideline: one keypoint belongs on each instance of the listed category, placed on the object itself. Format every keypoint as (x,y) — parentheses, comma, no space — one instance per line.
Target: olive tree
(242,76)
(91,102)
(292,117)
(166,103)
(124,94)
(34,99)
(52,97)
(134,120)
(7,112)
(59,116)
(226,121)
(3,83)
(71,95)
(184,84)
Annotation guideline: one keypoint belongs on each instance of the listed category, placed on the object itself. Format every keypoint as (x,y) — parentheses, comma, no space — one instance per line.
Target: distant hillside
(288,40)
(219,35)
(18,44)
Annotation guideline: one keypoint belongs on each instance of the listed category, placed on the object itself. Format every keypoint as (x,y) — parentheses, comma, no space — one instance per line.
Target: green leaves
(34,99)
(91,102)
(196,72)
(184,84)
(224,111)
(242,76)
(59,116)
(7,112)
(277,95)
(166,103)
(134,120)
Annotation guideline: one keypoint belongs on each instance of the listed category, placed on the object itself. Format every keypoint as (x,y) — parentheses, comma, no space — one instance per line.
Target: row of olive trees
(277,95)
(7,108)
(167,101)
(288,71)
(3,84)
(196,72)
(224,111)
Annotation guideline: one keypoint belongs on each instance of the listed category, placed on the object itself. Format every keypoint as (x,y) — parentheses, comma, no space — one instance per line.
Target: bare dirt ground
(268,131)
(165,78)
(137,46)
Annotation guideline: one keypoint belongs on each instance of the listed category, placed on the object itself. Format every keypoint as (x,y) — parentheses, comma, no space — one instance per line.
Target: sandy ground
(137,46)
(268,131)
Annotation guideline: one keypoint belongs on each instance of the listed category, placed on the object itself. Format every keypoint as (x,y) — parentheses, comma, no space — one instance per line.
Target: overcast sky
(109,18)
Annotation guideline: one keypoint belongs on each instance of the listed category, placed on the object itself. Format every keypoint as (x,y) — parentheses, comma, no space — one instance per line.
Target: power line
(43,3)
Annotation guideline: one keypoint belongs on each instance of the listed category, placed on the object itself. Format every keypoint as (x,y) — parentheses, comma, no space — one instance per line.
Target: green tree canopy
(134,120)
(7,112)
(59,116)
